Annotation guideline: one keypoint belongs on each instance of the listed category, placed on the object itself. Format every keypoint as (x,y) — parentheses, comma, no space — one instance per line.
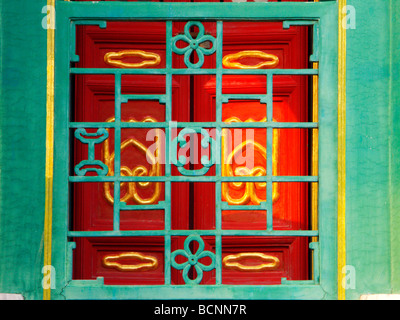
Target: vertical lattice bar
(269,163)
(117,152)
(167,252)
(168,119)
(218,171)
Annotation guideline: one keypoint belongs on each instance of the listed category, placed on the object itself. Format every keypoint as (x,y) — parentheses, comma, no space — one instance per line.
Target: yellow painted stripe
(314,169)
(341,151)
(49,152)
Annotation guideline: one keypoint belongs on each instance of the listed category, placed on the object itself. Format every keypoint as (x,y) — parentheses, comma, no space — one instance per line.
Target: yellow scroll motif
(250,193)
(230,60)
(233,262)
(155,170)
(149,262)
(114,59)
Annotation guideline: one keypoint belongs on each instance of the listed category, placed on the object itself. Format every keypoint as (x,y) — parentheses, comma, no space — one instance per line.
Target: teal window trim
(323,17)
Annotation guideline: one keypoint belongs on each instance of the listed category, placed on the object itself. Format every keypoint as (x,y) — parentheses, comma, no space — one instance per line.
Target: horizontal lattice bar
(197,125)
(194,71)
(261,206)
(152,233)
(160,206)
(120,11)
(160,97)
(193,179)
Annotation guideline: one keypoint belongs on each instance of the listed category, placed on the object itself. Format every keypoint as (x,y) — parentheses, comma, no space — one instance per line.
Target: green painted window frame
(321,14)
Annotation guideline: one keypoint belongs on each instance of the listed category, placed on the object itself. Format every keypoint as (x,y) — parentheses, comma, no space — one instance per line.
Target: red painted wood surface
(193,204)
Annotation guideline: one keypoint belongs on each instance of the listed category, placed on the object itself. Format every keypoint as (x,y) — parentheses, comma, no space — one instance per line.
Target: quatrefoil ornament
(194,44)
(193,259)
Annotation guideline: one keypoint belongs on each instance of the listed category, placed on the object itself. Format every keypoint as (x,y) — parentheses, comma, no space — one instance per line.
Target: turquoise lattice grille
(321,16)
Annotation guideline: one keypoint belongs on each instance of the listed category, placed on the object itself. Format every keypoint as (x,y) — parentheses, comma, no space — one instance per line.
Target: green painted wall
(373,147)
(367,192)
(23,123)
(394,154)
(372,159)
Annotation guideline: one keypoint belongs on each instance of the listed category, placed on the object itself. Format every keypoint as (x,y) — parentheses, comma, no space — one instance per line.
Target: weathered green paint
(394,145)
(23,100)
(367,181)
(373,153)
